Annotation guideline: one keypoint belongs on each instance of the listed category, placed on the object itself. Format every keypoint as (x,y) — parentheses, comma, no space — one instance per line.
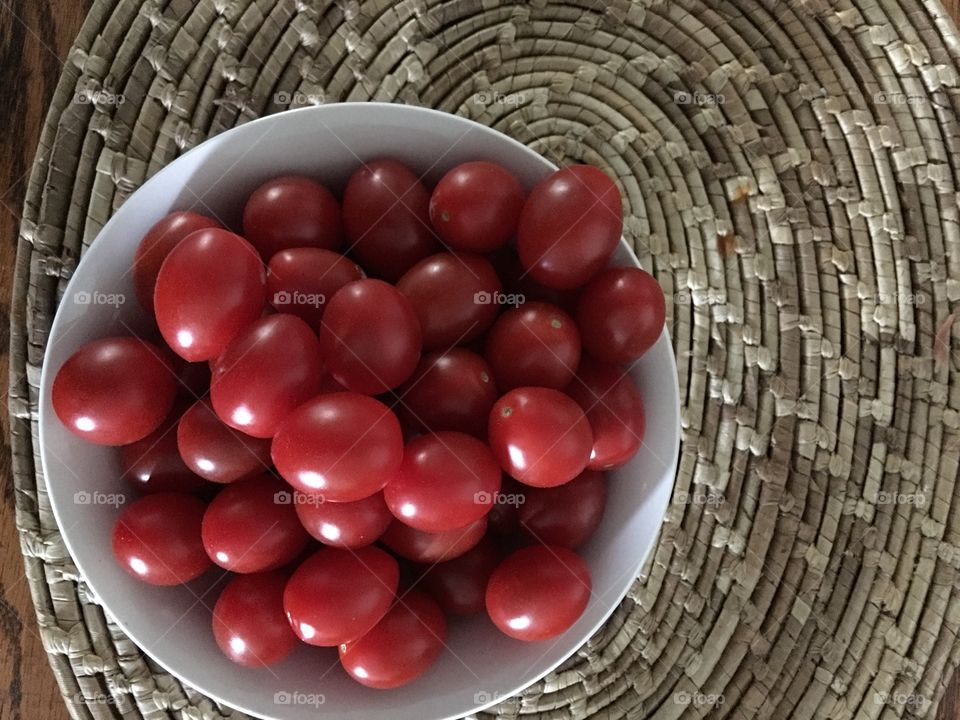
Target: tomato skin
(399,648)
(566,515)
(160,239)
(269,368)
(154,464)
(570,226)
(387,219)
(452,295)
(251,526)
(540,436)
(447,480)
(115,390)
(451,390)
(614,409)
(292,211)
(249,623)
(210,286)
(346,525)
(301,280)
(357,587)
(538,592)
(370,338)
(536,344)
(157,539)
(476,206)
(344,446)
(215,451)
(621,314)
(459,586)
(423,547)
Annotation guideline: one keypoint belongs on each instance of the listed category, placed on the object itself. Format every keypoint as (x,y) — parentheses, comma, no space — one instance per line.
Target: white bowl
(480,665)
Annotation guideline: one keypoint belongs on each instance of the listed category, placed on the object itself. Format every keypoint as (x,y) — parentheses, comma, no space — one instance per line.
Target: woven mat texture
(791,171)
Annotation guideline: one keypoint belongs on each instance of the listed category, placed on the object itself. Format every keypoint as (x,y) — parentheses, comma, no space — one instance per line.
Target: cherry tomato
(614,409)
(370,337)
(343,446)
(424,547)
(114,391)
(270,367)
(251,526)
(520,288)
(336,596)
(210,286)
(160,239)
(476,206)
(621,314)
(347,524)
(387,219)
(566,515)
(157,539)
(454,296)
(459,585)
(452,390)
(540,436)
(503,517)
(301,280)
(534,345)
(154,465)
(570,226)
(217,452)
(538,592)
(249,623)
(399,648)
(446,481)
(292,211)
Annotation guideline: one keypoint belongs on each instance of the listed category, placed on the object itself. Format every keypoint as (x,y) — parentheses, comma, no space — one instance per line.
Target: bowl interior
(480,664)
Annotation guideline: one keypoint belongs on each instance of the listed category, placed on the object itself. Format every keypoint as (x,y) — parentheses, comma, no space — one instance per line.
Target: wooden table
(36,35)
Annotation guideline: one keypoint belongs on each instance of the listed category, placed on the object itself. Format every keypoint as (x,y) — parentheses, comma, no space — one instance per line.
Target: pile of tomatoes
(376,411)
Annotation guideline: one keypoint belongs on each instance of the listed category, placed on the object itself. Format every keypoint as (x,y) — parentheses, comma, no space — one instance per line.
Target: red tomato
(370,337)
(154,465)
(249,623)
(251,526)
(157,539)
(621,314)
(519,288)
(424,547)
(538,592)
(446,481)
(614,409)
(217,452)
(337,596)
(454,296)
(540,436)
(452,390)
(533,345)
(570,226)
(114,391)
(399,648)
(459,585)
(566,515)
(504,521)
(476,206)
(301,280)
(343,446)
(210,286)
(160,239)
(292,212)
(347,524)
(269,368)
(387,219)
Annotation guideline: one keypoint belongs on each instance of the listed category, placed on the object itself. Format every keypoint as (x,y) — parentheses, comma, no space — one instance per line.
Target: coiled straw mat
(791,170)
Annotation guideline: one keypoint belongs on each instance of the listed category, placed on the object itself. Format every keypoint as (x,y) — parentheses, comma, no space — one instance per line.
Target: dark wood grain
(35,36)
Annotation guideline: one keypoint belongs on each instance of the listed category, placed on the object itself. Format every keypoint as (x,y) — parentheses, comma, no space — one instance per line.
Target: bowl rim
(57,330)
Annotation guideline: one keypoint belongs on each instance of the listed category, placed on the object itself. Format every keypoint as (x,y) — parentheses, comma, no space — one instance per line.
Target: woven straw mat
(791,174)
